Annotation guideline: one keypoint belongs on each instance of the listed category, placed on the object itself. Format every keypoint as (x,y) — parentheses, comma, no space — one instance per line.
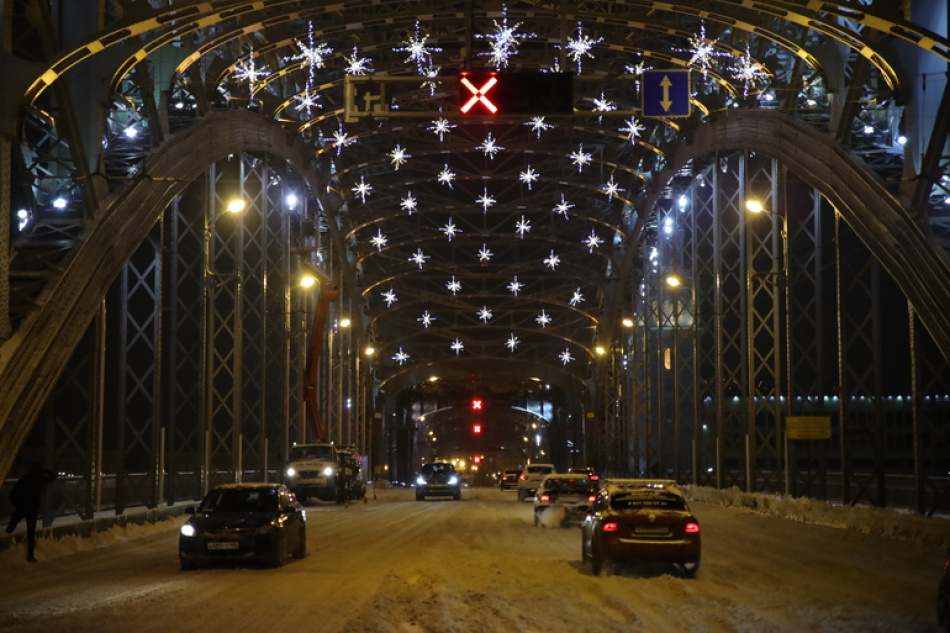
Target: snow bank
(864,519)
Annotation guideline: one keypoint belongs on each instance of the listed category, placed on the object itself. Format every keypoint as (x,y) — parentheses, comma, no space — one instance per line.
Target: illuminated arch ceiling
(488,247)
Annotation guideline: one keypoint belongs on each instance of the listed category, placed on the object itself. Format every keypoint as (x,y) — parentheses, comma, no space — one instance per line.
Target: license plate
(223,545)
(652,529)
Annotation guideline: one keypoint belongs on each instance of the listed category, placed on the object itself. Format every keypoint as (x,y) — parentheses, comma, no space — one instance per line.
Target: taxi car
(244,522)
(640,521)
(566,497)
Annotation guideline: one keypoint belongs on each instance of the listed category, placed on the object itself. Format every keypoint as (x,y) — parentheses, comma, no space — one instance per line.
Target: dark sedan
(640,521)
(244,522)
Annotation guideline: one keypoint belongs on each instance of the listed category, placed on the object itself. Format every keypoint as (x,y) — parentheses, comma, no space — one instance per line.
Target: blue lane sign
(666,92)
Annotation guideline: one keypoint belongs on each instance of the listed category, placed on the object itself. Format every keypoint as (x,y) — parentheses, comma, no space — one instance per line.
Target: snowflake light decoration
(400,356)
(633,129)
(341,140)
(515,286)
(580,46)
(703,52)
(592,241)
(552,261)
(419,53)
(512,342)
(457,346)
(543,319)
(440,127)
(419,258)
(362,189)
(446,176)
(603,105)
(431,73)
(485,255)
(522,226)
(577,297)
(528,176)
(504,40)
(307,101)
(612,188)
(489,147)
(408,204)
(580,158)
(485,200)
(538,125)
(637,69)
(565,356)
(248,71)
(398,156)
(450,229)
(311,54)
(563,207)
(426,319)
(356,65)
(751,73)
(389,297)
(379,241)
(484,314)
(453,285)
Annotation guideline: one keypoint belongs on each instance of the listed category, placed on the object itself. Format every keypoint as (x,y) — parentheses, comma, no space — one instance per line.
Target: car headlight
(420,481)
(328,471)
(453,480)
(187,530)
(291,472)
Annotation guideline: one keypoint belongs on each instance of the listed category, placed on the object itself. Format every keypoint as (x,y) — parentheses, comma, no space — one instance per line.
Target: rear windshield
(540,470)
(567,486)
(633,501)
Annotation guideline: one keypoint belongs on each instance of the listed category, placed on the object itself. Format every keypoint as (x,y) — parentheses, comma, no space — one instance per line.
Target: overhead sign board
(499,94)
(666,93)
(808,427)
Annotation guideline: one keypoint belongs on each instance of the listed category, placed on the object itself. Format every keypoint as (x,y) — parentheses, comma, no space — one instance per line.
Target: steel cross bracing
(185,67)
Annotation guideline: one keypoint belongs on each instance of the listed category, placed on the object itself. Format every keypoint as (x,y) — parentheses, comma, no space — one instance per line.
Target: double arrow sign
(666,93)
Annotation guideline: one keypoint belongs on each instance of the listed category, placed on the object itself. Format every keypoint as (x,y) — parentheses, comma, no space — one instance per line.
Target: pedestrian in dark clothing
(25,497)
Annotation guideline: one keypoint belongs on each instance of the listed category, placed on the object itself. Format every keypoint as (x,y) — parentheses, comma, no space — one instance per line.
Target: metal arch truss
(780,316)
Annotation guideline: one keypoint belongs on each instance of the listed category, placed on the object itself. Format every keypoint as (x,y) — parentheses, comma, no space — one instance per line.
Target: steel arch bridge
(151,340)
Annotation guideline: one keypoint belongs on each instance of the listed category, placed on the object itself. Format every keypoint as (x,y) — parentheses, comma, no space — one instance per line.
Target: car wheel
(598,561)
(690,569)
(520,496)
(277,555)
(301,550)
(457,496)
(419,495)
(537,518)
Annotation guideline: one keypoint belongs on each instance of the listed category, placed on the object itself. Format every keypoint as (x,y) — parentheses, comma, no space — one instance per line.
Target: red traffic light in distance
(476,429)
(477,404)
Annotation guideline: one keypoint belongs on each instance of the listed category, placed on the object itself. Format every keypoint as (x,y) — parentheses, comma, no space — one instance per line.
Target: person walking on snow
(25,497)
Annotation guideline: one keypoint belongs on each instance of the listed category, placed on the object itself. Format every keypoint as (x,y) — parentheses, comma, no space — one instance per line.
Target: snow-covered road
(394,565)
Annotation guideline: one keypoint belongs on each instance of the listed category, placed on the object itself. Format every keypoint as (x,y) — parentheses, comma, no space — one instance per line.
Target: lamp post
(675,281)
(756,207)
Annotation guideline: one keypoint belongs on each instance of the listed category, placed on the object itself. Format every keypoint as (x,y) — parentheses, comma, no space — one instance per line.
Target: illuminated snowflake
(453,286)
(552,261)
(426,319)
(633,129)
(612,188)
(400,356)
(580,158)
(637,69)
(522,226)
(485,255)
(441,127)
(450,229)
(249,72)
(379,241)
(362,189)
(419,53)
(311,54)
(398,157)
(485,200)
(389,297)
(581,46)
(408,204)
(504,41)
(528,176)
(592,241)
(563,207)
(484,314)
(512,342)
(446,176)
(419,258)
(577,297)
(703,51)
(457,346)
(431,73)
(489,147)
(751,73)
(341,140)
(603,105)
(565,356)
(515,286)
(356,65)
(543,319)
(308,101)
(538,125)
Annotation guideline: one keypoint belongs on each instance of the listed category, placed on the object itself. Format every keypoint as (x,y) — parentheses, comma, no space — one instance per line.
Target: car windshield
(634,501)
(438,469)
(298,453)
(567,486)
(240,500)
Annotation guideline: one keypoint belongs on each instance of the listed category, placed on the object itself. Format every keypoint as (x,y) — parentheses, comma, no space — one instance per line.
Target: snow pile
(863,519)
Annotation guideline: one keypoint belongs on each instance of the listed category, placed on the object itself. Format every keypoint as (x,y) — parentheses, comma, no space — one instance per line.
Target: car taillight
(692,528)
(610,527)
(524,478)
(592,499)
(594,477)
(545,498)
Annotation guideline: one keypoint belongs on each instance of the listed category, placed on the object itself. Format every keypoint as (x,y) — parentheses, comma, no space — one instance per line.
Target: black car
(439,479)
(943,597)
(244,522)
